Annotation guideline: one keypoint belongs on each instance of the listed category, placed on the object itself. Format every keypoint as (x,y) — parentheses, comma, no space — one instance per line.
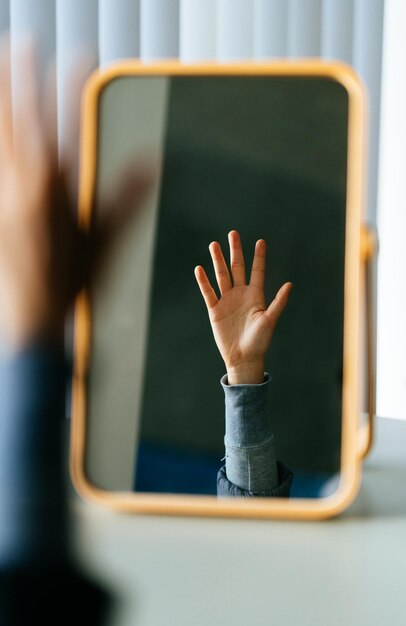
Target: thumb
(278,304)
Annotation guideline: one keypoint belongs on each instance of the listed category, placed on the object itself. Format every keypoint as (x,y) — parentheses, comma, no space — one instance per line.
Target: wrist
(246,373)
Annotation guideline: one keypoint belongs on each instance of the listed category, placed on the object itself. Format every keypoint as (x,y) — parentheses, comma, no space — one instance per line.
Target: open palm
(242,324)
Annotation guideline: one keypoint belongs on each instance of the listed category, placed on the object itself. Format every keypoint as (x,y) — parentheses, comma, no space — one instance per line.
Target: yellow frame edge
(351,455)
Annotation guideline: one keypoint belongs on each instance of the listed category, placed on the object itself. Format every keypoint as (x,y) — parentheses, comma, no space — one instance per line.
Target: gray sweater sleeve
(249,442)
(251,467)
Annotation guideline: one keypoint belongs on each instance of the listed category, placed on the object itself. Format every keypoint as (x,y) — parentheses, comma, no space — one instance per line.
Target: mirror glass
(267,156)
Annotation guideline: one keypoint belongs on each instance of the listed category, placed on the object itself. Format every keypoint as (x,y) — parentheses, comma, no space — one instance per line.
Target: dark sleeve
(32,490)
(251,467)
(282,489)
(35,558)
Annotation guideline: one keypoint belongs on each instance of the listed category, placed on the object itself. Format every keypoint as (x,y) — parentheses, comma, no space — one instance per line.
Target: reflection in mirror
(267,157)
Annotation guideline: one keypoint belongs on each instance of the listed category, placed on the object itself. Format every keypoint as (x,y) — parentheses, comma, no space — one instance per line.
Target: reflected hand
(242,324)
(46,256)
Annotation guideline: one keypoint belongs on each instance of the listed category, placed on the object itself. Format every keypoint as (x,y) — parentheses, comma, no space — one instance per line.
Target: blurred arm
(46,259)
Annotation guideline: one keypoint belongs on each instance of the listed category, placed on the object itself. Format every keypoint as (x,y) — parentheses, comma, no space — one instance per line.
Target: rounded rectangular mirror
(275,152)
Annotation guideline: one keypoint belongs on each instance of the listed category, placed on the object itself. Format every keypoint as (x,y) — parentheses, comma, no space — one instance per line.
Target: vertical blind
(222,30)
(196,30)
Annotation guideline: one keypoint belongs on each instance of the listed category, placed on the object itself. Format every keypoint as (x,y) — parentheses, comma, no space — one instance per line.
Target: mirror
(274,151)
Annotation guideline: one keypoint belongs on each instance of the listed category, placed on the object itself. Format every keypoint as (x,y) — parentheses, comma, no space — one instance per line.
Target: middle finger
(236,258)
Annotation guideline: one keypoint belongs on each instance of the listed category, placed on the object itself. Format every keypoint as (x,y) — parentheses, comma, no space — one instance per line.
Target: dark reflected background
(266,156)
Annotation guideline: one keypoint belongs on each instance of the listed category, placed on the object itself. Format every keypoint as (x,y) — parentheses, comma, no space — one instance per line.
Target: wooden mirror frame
(359,249)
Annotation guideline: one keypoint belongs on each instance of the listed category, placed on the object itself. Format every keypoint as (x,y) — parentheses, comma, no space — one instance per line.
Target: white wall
(391,340)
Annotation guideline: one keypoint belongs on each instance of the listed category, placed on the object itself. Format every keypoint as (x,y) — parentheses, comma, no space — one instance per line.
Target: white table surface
(346,571)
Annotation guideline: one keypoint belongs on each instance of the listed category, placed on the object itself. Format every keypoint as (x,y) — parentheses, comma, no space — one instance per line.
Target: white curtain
(367,60)
(231,30)
(304,28)
(198,30)
(197,36)
(159,29)
(119,30)
(235,30)
(337,33)
(270,28)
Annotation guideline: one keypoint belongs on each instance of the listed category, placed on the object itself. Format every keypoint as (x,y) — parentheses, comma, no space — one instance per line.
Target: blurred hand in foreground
(46,255)
(242,324)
